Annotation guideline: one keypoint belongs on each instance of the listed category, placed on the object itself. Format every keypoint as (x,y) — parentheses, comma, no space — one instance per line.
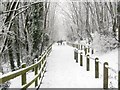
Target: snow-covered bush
(104,43)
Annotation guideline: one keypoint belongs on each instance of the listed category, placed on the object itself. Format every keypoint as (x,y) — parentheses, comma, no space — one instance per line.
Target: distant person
(61,41)
(58,42)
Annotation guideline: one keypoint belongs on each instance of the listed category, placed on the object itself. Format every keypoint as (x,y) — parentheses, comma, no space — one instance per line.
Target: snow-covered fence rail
(87,48)
(85,52)
(39,69)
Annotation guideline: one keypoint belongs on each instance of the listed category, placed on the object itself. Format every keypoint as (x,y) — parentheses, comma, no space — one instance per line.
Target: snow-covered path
(64,72)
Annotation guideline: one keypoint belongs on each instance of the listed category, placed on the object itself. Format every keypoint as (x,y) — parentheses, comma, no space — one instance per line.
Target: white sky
(59,21)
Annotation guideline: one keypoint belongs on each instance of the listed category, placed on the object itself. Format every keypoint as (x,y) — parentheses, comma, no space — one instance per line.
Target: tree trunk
(87,24)
(10,52)
(118,21)
(17,47)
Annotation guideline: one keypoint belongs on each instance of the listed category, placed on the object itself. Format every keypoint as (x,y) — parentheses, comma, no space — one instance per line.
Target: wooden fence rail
(39,69)
(87,50)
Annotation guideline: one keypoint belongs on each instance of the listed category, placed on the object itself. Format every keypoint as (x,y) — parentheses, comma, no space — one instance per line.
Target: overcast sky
(60,27)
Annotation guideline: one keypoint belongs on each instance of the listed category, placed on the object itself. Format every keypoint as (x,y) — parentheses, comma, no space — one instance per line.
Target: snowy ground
(64,72)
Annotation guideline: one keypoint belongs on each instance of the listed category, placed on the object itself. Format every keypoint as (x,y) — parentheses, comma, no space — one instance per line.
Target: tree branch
(5,12)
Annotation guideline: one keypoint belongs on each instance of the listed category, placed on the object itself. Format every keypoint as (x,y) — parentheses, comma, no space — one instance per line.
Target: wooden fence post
(42,67)
(76,46)
(45,63)
(36,72)
(88,63)
(81,59)
(105,76)
(96,68)
(81,47)
(92,51)
(33,63)
(88,49)
(76,56)
(118,80)
(24,76)
(39,69)
(85,51)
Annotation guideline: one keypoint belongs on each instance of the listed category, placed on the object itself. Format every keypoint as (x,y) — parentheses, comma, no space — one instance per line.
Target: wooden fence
(39,70)
(106,67)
